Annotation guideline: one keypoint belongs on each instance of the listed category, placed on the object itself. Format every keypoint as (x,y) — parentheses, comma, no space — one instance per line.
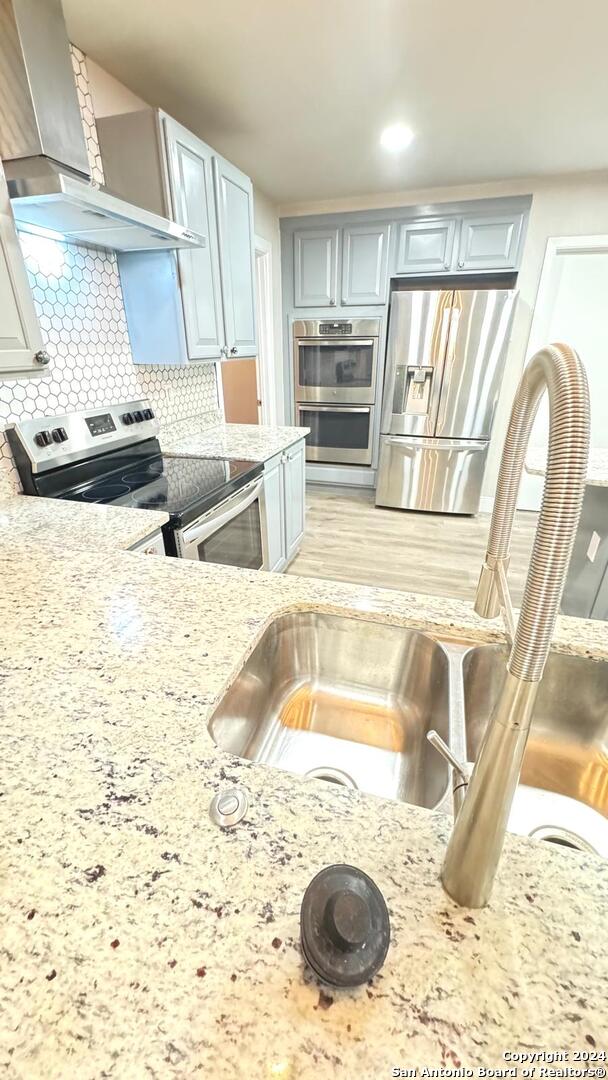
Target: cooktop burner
(183,487)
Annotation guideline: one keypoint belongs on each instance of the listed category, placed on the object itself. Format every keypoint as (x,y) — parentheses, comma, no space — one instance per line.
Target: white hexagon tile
(79,303)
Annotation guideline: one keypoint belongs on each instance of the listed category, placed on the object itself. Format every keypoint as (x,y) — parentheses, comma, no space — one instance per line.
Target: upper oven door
(336,369)
(232,533)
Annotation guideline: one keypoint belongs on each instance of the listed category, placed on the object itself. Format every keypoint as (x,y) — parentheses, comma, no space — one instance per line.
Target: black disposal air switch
(138,416)
(127,418)
(148,414)
(43,438)
(59,434)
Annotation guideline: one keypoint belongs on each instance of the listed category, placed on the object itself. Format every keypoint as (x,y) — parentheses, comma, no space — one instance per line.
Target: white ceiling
(296,92)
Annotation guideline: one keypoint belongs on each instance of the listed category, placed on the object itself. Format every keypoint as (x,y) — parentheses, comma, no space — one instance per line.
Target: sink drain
(562,837)
(332,776)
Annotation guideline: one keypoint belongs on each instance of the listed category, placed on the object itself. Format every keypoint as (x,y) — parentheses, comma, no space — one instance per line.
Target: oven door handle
(335,408)
(330,343)
(228,509)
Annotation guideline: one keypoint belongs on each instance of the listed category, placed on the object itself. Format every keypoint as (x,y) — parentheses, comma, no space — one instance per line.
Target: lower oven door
(232,533)
(340,434)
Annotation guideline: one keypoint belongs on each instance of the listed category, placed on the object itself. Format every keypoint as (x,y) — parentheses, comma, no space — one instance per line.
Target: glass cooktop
(183,487)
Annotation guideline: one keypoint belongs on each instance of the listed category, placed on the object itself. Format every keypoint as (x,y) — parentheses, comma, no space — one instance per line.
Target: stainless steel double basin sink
(350,701)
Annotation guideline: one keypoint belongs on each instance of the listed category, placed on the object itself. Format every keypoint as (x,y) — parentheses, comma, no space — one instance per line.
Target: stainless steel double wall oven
(335,379)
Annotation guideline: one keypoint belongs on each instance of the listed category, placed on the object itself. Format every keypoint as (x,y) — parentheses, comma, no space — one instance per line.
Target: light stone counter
(138,939)
(85,526)
(597,469)
(252,442)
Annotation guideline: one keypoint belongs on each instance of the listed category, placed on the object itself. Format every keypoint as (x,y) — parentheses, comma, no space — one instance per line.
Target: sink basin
(351,701)
(567,750)
(345,700)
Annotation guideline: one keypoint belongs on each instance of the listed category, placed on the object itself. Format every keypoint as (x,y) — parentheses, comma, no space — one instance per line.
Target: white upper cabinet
(425,246)
(315,267)
(21,348)
(490,242)
(190,170)
(234,199)
(364,264)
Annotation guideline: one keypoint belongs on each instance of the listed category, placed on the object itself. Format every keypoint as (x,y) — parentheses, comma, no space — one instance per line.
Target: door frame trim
(265,368)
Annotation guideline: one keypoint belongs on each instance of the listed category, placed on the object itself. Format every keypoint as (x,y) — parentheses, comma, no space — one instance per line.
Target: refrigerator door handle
(436,444)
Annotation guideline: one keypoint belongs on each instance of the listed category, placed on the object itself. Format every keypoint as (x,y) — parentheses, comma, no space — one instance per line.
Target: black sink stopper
(344,926)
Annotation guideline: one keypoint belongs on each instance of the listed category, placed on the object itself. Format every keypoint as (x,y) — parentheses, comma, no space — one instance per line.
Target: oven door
(340,434)
(232,533)
(328,369)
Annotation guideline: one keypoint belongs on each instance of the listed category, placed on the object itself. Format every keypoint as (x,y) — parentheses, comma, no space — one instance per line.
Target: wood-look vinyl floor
(347,538)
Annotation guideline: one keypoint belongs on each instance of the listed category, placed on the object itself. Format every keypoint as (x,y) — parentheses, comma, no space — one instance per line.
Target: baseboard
(486,504)
(344,476)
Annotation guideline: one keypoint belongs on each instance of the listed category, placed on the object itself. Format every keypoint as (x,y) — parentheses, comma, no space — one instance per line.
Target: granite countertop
(252,442)
(76,524)
(140,939)
(597,469)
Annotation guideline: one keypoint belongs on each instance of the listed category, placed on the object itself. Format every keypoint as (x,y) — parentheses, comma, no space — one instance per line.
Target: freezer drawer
(440,475)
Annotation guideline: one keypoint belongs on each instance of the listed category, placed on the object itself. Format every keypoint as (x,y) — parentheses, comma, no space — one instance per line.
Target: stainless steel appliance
(335,378)
(444,364)
(112,455)
(43,146)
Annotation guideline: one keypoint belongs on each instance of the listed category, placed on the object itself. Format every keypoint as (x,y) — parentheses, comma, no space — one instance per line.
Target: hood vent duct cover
(43,146)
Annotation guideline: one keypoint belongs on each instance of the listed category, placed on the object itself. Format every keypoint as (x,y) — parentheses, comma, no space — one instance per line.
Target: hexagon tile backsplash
(79,303)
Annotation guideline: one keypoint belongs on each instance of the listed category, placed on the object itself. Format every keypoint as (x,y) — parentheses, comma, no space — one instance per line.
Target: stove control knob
(127,418)
(138,416)
(148,414)
(59,434)
(43,438)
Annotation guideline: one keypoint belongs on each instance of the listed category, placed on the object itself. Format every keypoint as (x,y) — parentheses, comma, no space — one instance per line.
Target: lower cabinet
(294,473)
(284,491)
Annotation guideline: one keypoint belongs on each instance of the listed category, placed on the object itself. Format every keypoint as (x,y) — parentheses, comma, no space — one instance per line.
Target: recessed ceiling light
(396,137)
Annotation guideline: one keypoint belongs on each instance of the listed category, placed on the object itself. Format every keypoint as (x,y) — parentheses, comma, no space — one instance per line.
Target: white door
(192,197)
(571,307)
(234,199)
(20,338)
(315,254)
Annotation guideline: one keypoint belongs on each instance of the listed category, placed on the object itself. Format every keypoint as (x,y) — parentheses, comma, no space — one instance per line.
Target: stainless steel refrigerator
(444,365)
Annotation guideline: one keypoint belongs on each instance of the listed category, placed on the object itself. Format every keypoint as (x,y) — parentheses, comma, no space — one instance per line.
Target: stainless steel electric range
(112,455)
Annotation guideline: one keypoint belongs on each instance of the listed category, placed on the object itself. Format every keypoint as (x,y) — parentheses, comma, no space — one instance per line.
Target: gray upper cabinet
(190,170)
(195,305)
(365,264)
(315,267)
(21,351)
(426,246)
(490,242)
(234,197)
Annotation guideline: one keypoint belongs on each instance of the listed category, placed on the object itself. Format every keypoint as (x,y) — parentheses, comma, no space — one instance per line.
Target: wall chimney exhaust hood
(43,146)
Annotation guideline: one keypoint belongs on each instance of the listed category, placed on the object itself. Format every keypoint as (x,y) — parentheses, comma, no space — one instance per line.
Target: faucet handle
(460,771)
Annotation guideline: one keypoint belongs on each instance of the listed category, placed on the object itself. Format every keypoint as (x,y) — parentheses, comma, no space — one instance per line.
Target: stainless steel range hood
(42,143)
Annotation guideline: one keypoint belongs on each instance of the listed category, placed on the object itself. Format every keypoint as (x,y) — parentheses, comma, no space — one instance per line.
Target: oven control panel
(101,424)
(47,442)
(336,328)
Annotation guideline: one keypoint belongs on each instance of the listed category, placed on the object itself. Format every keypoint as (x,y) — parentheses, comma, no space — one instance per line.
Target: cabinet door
(274,511)
(315,267)
(234,196)
(20,339)
(426,246)
(489,243)
(293,471)
(364,264)
(192,195)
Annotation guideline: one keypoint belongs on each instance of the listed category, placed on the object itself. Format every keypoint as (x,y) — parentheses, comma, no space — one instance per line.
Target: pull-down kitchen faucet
(476,842)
